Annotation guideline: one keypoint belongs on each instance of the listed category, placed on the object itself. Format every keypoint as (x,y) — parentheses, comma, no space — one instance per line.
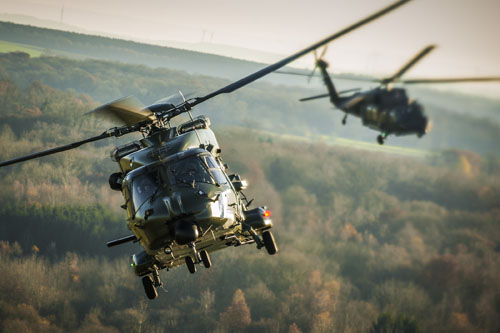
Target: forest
(369,240)
(261,105)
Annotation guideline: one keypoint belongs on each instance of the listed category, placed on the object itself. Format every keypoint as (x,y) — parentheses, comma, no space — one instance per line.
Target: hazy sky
(466,31)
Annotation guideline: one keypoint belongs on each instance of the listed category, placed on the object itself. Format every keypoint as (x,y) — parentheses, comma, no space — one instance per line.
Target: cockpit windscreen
(200,168)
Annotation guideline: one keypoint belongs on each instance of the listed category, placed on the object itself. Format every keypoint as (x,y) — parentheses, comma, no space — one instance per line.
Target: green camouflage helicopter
(180,201)
(385,109)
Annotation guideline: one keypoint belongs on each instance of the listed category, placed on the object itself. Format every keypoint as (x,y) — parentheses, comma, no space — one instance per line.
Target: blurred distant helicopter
(385,109)
(181,203)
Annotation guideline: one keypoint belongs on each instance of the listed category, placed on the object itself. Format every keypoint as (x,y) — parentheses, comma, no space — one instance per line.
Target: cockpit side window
(214,169)
(144,186)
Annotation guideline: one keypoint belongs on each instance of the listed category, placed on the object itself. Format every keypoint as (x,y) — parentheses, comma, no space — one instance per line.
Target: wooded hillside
(259,106)
(368,240)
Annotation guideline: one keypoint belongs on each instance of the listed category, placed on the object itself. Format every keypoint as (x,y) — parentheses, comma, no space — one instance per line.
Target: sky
(465,31)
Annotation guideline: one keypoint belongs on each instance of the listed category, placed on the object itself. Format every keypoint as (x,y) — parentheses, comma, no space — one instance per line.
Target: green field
(6,47)
(357,144)
(385,148)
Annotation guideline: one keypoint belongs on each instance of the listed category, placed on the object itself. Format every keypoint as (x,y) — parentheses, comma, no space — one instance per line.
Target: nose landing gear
(190,264)
(205,259)
(200,257)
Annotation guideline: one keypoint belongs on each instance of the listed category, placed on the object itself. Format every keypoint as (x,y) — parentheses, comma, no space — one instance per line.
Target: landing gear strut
(344,120)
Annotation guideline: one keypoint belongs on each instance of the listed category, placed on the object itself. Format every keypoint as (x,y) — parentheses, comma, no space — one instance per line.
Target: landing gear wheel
(149,287)
(380,140)
(190,265)
(205,258)
(269,242)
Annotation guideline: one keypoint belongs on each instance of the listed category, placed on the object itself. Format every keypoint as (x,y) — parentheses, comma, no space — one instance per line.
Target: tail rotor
(318,61)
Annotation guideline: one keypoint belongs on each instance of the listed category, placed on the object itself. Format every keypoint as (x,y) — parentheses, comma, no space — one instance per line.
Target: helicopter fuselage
(179,198)
(389,111)
(385,109)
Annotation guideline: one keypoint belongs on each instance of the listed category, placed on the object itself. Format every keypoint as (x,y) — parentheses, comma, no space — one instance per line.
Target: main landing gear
(344,120)
(267,241)
(200,257)
(150,284)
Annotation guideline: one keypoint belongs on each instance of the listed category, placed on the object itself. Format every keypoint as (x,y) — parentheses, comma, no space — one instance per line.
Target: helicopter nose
(421,120)
(428,126)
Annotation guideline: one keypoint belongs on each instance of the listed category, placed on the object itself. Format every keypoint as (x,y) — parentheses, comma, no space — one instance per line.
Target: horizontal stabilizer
(327,95)
(314,97)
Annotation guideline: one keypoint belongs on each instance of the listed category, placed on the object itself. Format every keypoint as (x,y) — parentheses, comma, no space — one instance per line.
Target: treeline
(354,254)
(90,46)
(260,106)
(58,229)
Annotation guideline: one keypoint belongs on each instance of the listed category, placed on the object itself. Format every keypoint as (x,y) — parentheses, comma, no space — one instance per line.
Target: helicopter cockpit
(199,168)
(393,97)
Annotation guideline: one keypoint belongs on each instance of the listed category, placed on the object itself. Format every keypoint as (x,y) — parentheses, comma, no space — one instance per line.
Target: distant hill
(460,120)
(203,46)
(259,106)
(84,44)
(88,46)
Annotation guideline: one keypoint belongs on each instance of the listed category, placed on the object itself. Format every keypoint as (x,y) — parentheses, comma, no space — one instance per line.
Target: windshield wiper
(207,169)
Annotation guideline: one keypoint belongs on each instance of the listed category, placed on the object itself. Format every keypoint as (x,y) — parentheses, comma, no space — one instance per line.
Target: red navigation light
(267,213)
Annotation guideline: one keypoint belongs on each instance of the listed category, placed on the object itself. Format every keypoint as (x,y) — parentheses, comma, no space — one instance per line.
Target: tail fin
(334,96)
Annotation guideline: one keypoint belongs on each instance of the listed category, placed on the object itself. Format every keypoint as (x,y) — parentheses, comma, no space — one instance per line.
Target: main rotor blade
(451,80)
(126,111)
(335,76)
(54,150)
(408,65)
(271,68)
(174,99)
(115,131)
(292,73)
